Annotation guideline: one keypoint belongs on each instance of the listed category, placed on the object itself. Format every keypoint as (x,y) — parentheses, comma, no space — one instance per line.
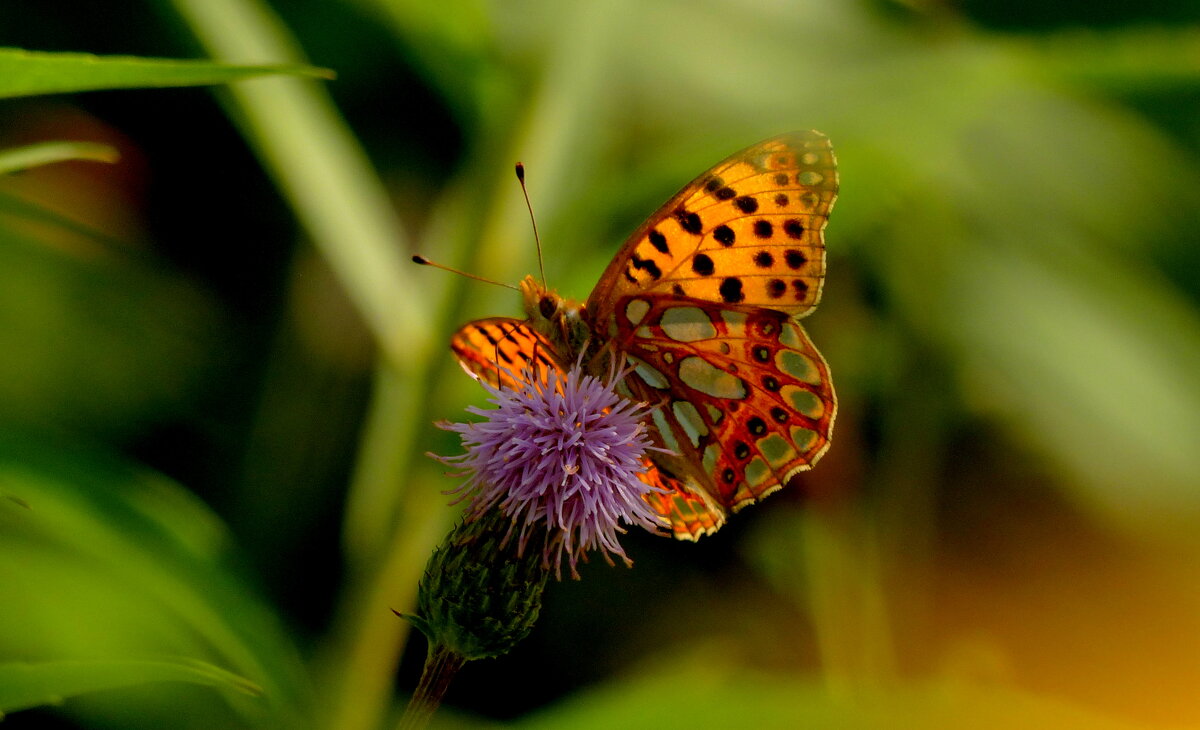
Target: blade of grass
(320,167)
(107,562)
(45,153)
(29,73)
(24,685)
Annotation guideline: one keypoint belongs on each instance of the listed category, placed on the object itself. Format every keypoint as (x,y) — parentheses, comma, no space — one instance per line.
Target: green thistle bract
(478,597)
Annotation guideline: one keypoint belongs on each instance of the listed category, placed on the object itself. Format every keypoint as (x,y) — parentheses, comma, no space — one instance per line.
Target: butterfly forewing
(501,349)
(749,232)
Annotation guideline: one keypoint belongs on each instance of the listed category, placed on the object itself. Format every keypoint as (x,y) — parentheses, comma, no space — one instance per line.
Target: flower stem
(441,665)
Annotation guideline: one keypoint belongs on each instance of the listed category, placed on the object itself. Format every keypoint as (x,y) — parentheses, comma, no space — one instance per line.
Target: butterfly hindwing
(690,514)
(744,397)
(749,232)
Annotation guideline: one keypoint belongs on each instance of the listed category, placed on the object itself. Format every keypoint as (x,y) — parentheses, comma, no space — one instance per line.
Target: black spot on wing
(646,265)
(794,258)
(746,204)
(689,221)
(724,235)
(659,242)
(731,290)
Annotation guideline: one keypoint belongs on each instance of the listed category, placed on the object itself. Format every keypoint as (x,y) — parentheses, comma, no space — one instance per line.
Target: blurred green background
(219,372)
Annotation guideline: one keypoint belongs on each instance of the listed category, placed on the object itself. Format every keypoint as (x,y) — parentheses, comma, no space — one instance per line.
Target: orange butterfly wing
(498,350)
(481,345)
(703,298)
(744,397)
(691,516)
(749,232)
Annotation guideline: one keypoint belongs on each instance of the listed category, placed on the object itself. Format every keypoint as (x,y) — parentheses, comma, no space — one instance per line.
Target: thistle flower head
(563,453)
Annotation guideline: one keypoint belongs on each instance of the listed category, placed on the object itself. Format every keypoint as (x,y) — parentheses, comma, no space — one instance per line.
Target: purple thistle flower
(564,453)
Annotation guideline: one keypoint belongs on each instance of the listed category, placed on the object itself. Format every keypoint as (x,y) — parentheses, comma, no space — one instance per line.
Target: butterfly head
(560,320)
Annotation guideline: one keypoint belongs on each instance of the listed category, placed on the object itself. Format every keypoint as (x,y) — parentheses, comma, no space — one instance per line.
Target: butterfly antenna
(536,239)
(417,259)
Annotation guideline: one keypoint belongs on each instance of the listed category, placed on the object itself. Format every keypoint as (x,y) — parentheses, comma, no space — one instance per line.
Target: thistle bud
(481,593)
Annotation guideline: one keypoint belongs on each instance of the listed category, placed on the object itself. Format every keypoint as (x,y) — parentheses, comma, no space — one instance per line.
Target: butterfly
(702,303)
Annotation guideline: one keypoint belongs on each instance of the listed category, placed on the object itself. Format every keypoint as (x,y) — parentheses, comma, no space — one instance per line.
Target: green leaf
(25,685)
(103,562)
(45,153)
(28,73)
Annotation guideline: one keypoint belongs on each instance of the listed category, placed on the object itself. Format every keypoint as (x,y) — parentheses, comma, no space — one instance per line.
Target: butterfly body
(701,305)
(560,320)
